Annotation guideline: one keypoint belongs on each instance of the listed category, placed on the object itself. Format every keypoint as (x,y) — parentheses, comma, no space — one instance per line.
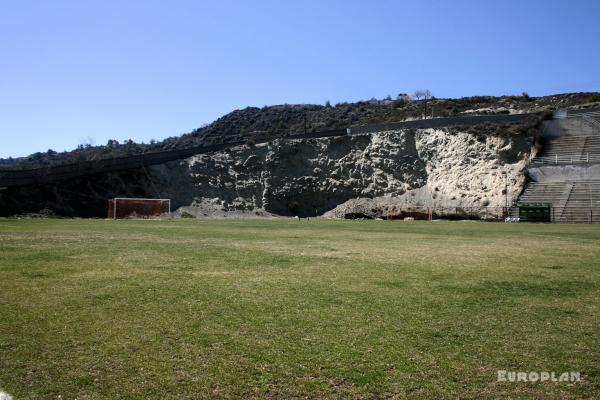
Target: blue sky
(83,71)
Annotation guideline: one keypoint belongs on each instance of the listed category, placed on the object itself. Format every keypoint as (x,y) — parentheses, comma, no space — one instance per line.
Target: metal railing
(575,215)
(592,122)
(556,159)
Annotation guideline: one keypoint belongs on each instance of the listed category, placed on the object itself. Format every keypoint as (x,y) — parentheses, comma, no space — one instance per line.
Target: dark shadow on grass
(493,289)
(35,274)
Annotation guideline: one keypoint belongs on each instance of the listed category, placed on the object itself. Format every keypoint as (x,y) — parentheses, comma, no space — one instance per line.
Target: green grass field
(186,309)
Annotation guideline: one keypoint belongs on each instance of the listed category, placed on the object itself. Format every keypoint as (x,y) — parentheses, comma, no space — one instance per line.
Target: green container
(535,212)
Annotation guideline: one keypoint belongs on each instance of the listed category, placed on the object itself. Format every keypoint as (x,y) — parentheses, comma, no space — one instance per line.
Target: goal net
(126,207)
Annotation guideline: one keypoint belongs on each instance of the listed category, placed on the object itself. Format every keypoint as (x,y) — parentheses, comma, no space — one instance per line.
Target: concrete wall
(563,127)
(562,173)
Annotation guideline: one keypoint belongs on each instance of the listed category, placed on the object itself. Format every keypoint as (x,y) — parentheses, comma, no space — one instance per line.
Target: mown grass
(94,309)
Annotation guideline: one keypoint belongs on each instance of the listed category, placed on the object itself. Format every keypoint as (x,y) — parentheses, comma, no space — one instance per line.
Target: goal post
(135,207)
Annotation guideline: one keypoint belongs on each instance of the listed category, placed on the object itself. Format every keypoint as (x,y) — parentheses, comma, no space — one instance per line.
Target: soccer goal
(131,207)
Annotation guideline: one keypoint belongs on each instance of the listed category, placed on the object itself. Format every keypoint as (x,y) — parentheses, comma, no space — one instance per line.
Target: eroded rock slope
(371,175)
(362,175)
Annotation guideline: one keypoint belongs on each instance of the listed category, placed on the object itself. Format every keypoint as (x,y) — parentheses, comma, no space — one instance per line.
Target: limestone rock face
(365,174)
(368,176)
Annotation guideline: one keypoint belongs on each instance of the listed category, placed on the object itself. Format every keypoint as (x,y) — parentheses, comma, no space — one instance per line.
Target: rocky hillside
(369,176)
(361,176)
(282,120)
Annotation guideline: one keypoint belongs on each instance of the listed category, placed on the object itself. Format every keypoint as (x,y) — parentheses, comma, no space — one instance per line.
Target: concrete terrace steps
(551,193)
(572,145)
(569,150)
(572,202)
(592,145)
(585,194)
(578,193)
(571,161)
